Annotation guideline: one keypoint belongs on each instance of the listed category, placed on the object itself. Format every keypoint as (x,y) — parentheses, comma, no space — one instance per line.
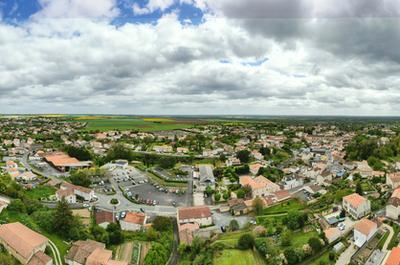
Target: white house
(200,215)
(291,182)
(260,186)
(356,205)
(85,193)
(364,230)
(393,207)
(68,195)
(133,221)
(393,180)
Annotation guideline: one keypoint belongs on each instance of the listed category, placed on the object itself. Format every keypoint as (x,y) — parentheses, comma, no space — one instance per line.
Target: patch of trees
(80,153)
(243,156)
(295,220)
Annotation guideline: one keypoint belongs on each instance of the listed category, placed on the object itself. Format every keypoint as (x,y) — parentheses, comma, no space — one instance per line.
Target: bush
(246,241)
(114,201)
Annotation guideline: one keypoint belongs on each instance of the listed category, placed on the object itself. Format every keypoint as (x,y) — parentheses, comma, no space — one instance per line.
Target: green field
(300,238)
(284,207)
(40,192)
(101,123)
(237,257)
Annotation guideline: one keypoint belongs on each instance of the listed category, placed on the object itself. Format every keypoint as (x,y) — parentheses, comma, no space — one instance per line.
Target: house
(27,176)
(85,193)
(364,230)
(104,218)
(200,215)
(291,182)
(332,234)
(393,258)
(237,207)
(393,207)
(393,180)
(254,168)
(90,252)
(24,244)
(163,148)
(68,195)
(206,175)
(260,186)
(133,221)
(356,205)
(187,232)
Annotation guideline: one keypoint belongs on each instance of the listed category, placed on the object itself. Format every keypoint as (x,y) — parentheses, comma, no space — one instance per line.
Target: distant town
(73,190)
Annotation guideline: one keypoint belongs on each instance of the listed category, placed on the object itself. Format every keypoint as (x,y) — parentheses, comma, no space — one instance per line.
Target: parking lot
(147,191)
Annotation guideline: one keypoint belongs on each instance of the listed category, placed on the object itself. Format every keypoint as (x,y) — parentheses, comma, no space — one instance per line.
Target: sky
(200,57)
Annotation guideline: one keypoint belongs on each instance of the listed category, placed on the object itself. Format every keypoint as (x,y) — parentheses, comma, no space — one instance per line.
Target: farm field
(237,257)
(105,123)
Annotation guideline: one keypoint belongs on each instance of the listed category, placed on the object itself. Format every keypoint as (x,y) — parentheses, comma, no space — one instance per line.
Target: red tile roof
(195,212)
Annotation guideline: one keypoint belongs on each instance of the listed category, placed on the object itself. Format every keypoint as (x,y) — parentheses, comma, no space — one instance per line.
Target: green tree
(115,234)
(233,225)
(243,156)
(258,206)
(315,244)
(359,188)
(162,223)
(217,196)
(246,241)
(291,256)
(99,234)
(17,206)
(63,219)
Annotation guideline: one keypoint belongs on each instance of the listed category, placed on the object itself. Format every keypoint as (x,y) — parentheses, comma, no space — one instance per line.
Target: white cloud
(151,6)
(77,9)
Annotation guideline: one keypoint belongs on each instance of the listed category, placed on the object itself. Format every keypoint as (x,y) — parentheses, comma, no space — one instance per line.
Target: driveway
(391,234)
(345,257)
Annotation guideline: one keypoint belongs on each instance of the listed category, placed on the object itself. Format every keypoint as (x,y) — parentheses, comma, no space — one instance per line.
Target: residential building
(393,207)
(187,232)
(332,234)
(90,252)
(85,193)
(393,180)
(254,168)
(200,215)
(393,258)
(104,218)
(68,195)
(260,186)
(133,221)
(24,244)
(206,175)
(364,230)
(356,205)
(291,182)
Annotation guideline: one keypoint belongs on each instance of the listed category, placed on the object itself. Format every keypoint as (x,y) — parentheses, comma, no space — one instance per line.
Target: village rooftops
(21,239)
(365,226)
(196,212)
(135,218)
(257,182)
(354,199)
(394,257)
(80,250)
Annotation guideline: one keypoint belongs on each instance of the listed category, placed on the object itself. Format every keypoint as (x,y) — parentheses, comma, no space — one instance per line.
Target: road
(173,259)
(56,253)
(389,238)
(345,257)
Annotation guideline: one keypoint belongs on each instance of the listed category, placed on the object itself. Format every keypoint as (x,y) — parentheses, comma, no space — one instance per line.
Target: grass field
(107,123)
(300,238)
(284,207)
(324,259)
(40,192)
(237,257)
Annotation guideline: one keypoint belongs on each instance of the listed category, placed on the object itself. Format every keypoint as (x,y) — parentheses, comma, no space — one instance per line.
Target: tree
(151,234)
(258,206)
(243,156)
(17,206)
(292,257)
(80,178)
(80,153)
(119,151)
(359,189)
(246,241)
(63,219)
(233,225)
(295,220)
(115,234)
(226,195)
(162,223)
(342,213)
(315,244)
(217,196)
(99,234)
(240,194)
(286,238)
(167,162)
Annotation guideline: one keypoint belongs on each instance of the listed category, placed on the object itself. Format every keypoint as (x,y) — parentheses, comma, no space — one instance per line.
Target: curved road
(56,253)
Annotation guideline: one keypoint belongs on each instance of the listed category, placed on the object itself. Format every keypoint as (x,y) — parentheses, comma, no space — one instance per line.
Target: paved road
(173,259)
(391,234)
(345,257)
(56,253)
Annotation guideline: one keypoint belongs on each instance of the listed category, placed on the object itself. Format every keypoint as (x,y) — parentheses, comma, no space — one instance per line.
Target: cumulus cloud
(222,66)
(77,9)
(151,6)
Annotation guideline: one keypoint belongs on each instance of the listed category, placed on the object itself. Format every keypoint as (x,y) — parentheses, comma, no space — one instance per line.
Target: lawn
(324,259)
(284,207)
(237,257)
(230,239)
(40,192)
(300,238)
(129,123)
